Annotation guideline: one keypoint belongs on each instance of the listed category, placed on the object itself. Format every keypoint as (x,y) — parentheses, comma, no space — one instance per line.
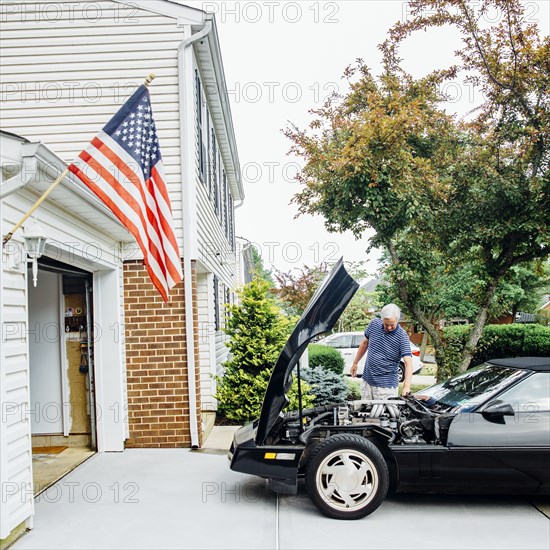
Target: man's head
(390,315)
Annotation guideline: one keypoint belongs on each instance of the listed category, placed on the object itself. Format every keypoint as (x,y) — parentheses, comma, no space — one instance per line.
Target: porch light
(35,242)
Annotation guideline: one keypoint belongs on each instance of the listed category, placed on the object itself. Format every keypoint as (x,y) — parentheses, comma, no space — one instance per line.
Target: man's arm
(408,375)
(363,346)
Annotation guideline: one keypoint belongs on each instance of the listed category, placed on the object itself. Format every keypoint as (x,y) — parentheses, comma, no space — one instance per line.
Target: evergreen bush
(327,386)
(354,390)
(326,357)
(240,395)
(257,332)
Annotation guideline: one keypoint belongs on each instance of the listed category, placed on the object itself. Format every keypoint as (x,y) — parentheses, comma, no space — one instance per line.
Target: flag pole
(9,235)
(149,79)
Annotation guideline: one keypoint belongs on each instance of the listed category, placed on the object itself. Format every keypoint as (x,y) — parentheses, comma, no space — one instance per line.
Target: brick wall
(158,405)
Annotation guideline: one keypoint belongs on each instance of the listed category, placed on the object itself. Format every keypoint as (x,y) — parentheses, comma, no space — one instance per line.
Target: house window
(200,115)
(216,303)
(214,170)
(227,302)
(225,203)
(227,296)
(231,223)
(208,147)
(219,206)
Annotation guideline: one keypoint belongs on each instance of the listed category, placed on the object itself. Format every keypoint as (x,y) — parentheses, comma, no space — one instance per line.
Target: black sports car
(486,430)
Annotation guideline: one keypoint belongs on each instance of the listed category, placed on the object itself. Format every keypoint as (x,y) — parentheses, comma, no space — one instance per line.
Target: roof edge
(53,166)
(169,8)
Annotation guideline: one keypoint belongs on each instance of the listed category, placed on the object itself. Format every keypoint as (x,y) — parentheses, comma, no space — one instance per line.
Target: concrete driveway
(177,498)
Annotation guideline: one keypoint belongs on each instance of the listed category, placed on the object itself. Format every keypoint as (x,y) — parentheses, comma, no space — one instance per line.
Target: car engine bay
(402,421)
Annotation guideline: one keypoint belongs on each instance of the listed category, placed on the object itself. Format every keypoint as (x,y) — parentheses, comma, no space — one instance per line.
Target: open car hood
(320,315)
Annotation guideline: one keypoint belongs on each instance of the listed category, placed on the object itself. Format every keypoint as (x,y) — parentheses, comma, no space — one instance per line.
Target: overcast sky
(282,59)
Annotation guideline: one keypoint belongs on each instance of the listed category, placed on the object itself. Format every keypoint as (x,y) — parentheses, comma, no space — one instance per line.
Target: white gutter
(28,170)
(186,112)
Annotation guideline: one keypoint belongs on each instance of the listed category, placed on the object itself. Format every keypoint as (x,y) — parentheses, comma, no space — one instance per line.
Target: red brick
(156,362)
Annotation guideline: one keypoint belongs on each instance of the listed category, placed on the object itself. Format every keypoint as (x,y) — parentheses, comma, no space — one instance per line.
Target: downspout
(189,239)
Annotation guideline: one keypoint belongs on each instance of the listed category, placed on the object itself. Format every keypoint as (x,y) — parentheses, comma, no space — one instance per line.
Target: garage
(61,371)
(62,361)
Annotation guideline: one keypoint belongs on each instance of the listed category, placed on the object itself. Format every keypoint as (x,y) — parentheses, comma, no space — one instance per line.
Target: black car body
(486,430)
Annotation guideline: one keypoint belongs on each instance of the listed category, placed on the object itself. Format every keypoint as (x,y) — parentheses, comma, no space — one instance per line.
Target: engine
(403,421)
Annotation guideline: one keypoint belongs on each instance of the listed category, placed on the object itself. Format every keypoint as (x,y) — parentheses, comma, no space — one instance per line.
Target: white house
(37,396)
(65,68)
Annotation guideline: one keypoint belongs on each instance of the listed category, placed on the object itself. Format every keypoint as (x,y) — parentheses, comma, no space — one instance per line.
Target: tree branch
(418,314)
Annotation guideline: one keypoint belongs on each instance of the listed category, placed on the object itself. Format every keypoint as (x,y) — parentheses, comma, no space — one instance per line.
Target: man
(387,343)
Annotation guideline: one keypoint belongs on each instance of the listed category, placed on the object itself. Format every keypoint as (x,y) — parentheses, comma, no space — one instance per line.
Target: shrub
(241,394)
(327,386)
(497,341)
(326,357)
(354,390)
(257,332)
(257,329)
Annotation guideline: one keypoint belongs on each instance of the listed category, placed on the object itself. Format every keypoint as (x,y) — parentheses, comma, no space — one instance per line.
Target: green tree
(257,329)
(522,289)
(359,312)
(441,194)
(296,289)
(259,268)
(257,332)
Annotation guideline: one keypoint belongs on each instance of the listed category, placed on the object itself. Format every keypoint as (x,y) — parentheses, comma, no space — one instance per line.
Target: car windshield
(467,390)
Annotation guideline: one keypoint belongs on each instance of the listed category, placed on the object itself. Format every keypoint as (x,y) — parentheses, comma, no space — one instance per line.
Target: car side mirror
(496,411)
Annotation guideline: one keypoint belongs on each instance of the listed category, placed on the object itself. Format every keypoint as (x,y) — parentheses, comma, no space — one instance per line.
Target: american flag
(122,165)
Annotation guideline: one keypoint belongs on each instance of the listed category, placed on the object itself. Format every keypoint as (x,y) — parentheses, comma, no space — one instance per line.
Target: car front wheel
(347,477)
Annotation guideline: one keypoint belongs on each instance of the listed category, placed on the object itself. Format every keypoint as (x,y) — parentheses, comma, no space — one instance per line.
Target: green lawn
(429,369)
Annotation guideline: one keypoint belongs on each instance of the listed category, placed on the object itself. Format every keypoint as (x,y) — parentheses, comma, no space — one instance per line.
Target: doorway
(62,407)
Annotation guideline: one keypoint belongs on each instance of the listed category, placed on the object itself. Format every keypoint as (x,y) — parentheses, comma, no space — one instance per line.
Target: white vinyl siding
(16,460)
(215,235)
(207,362)
(221,351)
(212,349)
(63,79)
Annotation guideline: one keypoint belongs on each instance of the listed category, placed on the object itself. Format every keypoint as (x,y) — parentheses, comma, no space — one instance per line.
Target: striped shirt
(384,353)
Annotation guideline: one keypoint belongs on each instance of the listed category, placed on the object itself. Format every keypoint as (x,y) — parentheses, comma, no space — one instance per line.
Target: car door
(356,340)
(342,343)
(505,444)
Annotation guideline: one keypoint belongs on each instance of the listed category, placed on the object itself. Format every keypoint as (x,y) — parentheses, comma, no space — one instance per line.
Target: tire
(401,373)
(347,477)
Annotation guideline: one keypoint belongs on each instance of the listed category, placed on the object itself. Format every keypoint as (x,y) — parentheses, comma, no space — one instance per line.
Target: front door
(45,343)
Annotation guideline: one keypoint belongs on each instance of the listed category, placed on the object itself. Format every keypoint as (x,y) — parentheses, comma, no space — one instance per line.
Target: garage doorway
(62,407)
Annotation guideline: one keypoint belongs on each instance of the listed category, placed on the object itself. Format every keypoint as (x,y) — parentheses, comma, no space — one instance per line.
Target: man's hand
(361,350)
(406,389)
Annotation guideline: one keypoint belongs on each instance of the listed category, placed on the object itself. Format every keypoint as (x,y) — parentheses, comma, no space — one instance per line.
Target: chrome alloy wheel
(347,479)
(346,476)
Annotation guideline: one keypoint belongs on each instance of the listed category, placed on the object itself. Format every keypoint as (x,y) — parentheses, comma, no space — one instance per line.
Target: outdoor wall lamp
(35,242)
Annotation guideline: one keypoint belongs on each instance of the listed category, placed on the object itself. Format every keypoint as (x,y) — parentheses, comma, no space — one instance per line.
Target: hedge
(326,357)
(498,341)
